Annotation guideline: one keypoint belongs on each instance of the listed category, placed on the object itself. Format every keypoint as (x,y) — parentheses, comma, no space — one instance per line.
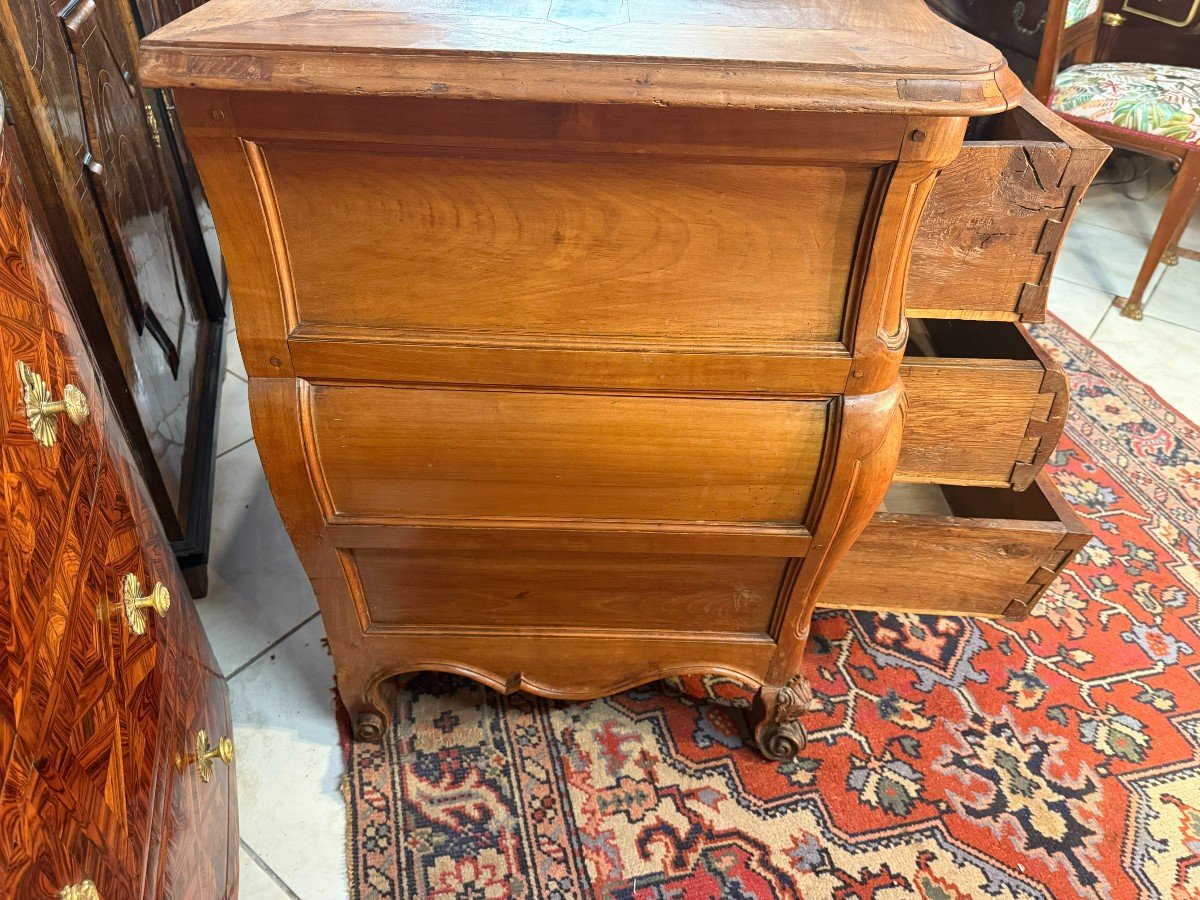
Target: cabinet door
(124,173)
(152,15)
(73,63)
(199,858)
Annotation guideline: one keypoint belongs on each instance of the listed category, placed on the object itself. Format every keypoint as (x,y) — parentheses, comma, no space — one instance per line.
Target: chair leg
(1179,208)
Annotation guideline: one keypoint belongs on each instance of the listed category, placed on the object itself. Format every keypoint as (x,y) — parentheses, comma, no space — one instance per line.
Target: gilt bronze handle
(85,890)
(204,755)
(42,411)
(136,605)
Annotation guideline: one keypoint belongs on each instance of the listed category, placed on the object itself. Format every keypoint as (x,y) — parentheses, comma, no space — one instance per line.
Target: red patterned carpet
(1055,758)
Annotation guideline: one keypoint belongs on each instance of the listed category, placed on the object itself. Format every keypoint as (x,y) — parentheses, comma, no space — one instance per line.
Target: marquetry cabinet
(106,677)
(592,343)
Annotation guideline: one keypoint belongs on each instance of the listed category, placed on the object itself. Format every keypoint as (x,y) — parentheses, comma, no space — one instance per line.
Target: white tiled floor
(261,614)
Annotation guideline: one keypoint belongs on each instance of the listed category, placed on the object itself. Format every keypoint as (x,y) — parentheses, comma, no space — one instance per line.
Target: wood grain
(1081,43)
(986,405)
(117,233)
(592,250)
(542,387)
(478,454)
(670,52)
(546,591)
(199,855)
(991,232)
(1002,547)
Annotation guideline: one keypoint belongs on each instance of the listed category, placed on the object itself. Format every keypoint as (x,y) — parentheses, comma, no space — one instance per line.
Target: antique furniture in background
(131,233)
(1150,108)
(577,342)
(1158,31)
(109,692)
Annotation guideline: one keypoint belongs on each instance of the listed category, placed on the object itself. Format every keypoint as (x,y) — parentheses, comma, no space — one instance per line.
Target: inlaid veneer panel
(614,248)
(419,452)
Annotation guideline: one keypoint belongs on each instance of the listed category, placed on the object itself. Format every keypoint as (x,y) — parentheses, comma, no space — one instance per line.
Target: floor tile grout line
(258,861)
(267,649)
(1087,221)
(1150,315)
(235,446)
(1155,280)
(1085,285)
(230,371)
(1133,234)
(1090,287)
(1092,337)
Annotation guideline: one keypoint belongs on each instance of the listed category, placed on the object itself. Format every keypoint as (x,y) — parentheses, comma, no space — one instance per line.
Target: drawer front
(996,218)
(608,591)
(90,785)
(992,555)
(49,477)
(554,248)
(136,546)
(43,851)
(199,819)
(470,454)
(986,405)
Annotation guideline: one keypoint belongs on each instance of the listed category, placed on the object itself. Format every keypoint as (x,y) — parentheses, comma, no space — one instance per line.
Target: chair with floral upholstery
(1147,107)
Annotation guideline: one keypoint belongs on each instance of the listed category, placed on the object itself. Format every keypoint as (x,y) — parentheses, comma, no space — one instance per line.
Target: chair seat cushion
(1146,97)
(1078,10)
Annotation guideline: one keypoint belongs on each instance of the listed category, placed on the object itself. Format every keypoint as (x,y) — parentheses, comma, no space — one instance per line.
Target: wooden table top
(892,56)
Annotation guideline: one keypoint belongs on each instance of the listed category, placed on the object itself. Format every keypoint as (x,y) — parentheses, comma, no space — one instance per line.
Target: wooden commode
(578,333)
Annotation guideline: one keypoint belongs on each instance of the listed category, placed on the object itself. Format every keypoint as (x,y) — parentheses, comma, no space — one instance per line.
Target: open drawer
(986,405)
(959,551)
(992,227)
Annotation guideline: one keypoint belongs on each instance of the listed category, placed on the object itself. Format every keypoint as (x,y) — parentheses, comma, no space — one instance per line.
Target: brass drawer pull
(136,605)
(204,755)
(42,411)
(152,121)
(85,890)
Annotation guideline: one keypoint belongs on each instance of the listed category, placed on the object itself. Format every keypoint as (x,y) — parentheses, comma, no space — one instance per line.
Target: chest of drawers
(108,688)
(578,334)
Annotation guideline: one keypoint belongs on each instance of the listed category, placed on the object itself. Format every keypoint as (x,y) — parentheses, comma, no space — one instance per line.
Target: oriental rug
(955,758)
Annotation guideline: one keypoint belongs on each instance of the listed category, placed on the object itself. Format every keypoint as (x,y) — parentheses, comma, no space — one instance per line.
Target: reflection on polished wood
(577,392)
(124,233)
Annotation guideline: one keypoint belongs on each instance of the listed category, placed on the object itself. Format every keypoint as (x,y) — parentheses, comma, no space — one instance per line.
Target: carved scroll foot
(370,709)
(777,712)
(369,727)
(781,741)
